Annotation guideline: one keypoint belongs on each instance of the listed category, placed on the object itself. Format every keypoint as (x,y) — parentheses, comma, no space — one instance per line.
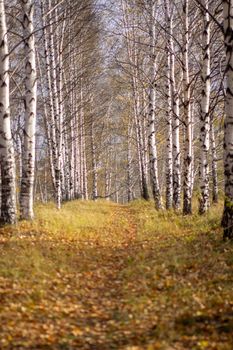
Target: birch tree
(170,99)
(205,118)
(227,220)
(7,162)
(187,205)
(151,109)
(94,163)
(129,25)
(214,163)
(30,100)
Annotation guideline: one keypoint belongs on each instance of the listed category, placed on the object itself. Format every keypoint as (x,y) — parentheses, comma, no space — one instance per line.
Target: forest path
(101,276)
(72,296)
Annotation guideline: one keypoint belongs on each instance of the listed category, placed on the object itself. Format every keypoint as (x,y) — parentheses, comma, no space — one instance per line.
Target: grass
(103,276)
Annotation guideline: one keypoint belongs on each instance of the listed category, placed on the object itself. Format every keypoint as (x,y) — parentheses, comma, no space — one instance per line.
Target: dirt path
(83,306)
(115,283)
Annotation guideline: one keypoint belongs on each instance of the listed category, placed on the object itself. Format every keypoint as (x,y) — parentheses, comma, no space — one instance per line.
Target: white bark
(107,191)
(55,102)
(48,128)
(72,157)
(83,142)
(169,112)
(187,205)
(140,141)
(175,90)
(94,163)
(7,162)
(94,175)
(227,220)
(205,118)
(51,121)
(214,163)
(59,38)
(85,182)
(28,158)
(129,162)
(151,112)
(132,51)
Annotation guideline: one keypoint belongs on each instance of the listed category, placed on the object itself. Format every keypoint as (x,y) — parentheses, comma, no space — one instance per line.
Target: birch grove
(116,101)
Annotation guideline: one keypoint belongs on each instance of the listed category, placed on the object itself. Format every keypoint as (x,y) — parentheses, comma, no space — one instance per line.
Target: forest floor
(101,276)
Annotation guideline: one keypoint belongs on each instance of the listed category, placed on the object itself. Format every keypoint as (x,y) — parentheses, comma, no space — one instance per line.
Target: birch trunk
(129,163)
(72,157)
(51,120)
(175,122)
(82,142)
(28,158)
(140,143)
(19,149)
(47,124)
(133,60)
(176,141)
(214,164)
(94,163)
(205,119)
(169,114)
(187,205)
(151,114)
(7,161)
(84,157)
(227,220)
(59,38)
(55,103)
(107,184)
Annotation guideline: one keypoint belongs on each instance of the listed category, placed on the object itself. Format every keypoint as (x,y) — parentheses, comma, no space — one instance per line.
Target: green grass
(103,276)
